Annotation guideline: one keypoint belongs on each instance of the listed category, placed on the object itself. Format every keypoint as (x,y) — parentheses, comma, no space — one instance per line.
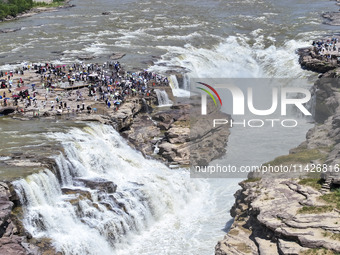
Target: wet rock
(178,134)
(46,114)
(97,184)
(141,133)
(116,56)
(7,110)
(148,62)
(59,52)
(125,115)
(332,18)
(164,125)
(166,117)
(9,30)
(86,57)
(310,61)
(77,195)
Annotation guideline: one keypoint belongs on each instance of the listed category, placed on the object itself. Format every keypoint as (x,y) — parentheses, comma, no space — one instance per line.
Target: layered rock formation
(278,216)
(179,135)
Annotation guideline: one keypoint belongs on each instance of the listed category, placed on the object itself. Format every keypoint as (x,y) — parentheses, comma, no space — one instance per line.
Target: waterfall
(173,82)
(176,90)
(102,193)
(186,81)
(163,99)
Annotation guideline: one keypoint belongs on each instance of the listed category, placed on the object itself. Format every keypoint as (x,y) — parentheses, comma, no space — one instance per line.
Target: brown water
(24,143)
(148,29)
(216,38)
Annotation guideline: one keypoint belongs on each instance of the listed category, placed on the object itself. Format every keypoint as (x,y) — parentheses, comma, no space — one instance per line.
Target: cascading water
(176,90)
(82,212)
(233,57)
(163,99)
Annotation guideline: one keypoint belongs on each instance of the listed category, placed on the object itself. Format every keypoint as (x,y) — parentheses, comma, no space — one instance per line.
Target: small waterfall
(176,90)
(186,82)
(163,99)
(102,193)
(173,82)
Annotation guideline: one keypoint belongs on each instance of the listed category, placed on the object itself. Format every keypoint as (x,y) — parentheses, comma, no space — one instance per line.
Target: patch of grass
(301,157)
(252,180)
(319,251)
(334,236)
(315,209)
(332,198)
(242,247)
(315,183)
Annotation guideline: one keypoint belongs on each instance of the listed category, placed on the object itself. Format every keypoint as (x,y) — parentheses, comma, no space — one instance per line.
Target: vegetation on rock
(14,7)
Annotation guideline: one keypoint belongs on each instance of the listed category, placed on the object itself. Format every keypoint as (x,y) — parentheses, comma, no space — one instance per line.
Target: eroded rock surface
(268,220)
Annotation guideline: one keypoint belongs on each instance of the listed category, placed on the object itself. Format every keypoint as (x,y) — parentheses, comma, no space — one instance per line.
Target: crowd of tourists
(70,87)
(327,48)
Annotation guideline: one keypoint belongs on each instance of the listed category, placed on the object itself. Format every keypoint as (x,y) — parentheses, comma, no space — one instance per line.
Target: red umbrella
(15,96)
(21,88)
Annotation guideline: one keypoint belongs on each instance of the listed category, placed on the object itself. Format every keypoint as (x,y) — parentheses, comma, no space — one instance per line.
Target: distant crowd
(107,83)
(323,47)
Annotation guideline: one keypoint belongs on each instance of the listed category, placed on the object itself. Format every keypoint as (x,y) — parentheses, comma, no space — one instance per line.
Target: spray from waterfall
(163,99)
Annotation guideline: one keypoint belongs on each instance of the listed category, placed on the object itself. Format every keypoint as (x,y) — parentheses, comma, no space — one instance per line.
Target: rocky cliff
(178,135)
(280,216)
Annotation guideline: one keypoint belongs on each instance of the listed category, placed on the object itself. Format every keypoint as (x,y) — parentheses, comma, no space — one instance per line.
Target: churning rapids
(148,194)
(151,202)
(154,210)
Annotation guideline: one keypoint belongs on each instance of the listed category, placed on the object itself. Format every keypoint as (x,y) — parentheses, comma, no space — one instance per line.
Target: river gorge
(81,185)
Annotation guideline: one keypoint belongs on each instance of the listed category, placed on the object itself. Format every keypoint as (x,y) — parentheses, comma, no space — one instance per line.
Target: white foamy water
(4,158)
(157,201)
(163,98)
(234,58)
